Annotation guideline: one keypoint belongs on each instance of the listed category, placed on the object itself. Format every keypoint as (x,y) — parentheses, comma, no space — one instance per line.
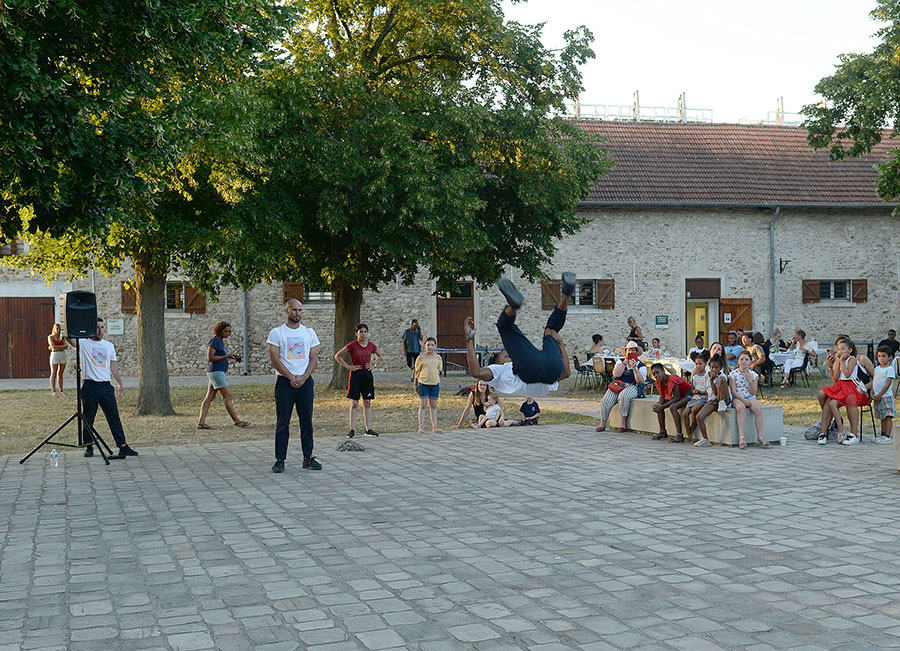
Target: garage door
(24,326)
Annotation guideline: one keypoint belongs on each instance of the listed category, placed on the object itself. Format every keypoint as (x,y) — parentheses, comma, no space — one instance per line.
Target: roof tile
(700,163)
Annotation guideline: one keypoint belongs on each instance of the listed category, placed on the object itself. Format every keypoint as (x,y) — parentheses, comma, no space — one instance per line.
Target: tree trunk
(153,373)
(347,302)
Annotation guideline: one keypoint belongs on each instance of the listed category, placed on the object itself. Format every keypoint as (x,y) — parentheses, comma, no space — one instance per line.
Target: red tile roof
(699,163)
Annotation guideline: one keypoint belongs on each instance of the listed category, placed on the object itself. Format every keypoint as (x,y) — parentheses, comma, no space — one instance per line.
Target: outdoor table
(480,353)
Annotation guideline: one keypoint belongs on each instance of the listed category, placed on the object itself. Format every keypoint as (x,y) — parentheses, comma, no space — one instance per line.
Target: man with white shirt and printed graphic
(99,362)
(294,353)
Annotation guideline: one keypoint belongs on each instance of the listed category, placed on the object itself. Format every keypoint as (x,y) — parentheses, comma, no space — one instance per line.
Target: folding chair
(585,374)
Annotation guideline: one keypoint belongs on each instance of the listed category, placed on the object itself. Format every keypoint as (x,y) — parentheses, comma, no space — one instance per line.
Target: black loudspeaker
(78,315)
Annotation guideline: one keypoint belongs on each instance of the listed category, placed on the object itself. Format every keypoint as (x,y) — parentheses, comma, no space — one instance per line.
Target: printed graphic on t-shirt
(296,348)
(98,357)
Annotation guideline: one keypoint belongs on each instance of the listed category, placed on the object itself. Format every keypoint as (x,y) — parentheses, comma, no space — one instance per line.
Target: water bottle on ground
(54,458)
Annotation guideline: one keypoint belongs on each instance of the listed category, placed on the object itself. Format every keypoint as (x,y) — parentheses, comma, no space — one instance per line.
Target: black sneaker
(125,451)
(371,432)
(89,451)
(312,464)
(512,295)
(279,466)
(351,434)
(567,286)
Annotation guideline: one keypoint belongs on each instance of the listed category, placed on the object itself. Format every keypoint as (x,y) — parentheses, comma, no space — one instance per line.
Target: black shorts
(411,359)
(361,385)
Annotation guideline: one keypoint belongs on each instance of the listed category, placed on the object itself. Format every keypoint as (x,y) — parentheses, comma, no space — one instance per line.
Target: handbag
(616,386)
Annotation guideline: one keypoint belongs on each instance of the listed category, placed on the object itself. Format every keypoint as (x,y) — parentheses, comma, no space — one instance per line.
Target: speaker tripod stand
(87,435)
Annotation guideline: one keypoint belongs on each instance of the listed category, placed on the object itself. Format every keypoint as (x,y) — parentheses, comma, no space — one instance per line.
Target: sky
(736,58)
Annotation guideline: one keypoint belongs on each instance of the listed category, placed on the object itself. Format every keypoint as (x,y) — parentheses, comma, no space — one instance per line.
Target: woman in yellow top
(427,379)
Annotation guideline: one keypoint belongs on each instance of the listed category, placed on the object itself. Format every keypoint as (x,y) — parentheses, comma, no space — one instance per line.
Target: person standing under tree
(427,381)
(360,384)
(57,346)
(294,353)
(217,357)
(99,361)
(412,344)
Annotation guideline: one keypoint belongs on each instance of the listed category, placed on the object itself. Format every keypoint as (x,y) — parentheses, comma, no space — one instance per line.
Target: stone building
(700,228)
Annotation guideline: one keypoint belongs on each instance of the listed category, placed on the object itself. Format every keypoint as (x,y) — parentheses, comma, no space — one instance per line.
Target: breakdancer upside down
(522,368)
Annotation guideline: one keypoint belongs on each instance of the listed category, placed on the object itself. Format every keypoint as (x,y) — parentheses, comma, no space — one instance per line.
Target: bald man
(294,353)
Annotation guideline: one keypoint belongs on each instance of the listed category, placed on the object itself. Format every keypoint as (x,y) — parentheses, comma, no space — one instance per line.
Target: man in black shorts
(361,384)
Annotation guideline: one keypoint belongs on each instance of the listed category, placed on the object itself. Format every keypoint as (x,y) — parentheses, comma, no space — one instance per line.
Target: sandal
(743,444)
(242,423)
(677,439)
(601,428)
(203,426)
(659,437)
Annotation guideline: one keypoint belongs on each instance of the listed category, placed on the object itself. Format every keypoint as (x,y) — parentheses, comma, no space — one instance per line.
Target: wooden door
(741,311)
(452,309)
(24,326)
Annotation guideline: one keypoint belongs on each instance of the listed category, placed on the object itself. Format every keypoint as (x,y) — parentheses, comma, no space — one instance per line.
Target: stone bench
(721,427)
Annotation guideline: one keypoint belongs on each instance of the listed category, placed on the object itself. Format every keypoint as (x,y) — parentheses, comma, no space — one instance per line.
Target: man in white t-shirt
(522,368)
(294,353)
(99,364)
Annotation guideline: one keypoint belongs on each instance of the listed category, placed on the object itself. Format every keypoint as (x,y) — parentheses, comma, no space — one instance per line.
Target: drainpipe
(246,336)
(772,270)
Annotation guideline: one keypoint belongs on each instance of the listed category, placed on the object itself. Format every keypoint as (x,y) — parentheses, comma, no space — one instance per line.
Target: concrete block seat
(721,427)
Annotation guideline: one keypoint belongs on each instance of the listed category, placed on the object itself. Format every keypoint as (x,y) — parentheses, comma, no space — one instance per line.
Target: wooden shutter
(129,299)
(291,290)
(606,294)
(194,300)
(810,291)
(859,290)
(549,294)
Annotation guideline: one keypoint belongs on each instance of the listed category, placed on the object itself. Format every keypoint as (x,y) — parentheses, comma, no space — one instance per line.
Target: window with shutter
(129,299)
(810,291)
(194,300)
(291,290)
(606,294)
(549,294)
(860,290)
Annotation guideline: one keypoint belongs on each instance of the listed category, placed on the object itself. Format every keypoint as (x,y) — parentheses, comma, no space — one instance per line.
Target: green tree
(861,101)
(401,136)
(103,105)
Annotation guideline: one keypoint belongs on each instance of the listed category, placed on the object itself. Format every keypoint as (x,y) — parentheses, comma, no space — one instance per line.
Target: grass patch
(29,416)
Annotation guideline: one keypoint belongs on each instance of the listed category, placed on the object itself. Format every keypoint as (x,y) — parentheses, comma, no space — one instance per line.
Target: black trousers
(287,398)
(529,363)
(102,394)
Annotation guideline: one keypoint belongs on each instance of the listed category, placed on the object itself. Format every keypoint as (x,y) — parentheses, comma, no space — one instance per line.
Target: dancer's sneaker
(567,286)
(512,295)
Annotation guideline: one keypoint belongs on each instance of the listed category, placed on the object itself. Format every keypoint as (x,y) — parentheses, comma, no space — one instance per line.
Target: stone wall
(648,252)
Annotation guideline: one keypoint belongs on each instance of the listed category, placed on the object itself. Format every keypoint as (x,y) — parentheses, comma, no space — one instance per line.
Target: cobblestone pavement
(534,538)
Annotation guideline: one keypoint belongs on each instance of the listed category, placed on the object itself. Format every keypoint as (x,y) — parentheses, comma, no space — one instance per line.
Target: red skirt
(844,391)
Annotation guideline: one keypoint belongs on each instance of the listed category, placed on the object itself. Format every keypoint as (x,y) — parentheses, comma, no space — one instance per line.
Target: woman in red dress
(849,390)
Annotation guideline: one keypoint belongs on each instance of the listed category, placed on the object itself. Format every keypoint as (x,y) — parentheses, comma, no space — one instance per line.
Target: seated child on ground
(530,412)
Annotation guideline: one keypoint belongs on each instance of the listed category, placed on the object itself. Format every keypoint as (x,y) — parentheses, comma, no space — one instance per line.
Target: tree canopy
(102,106)
(402,136)
(861,101)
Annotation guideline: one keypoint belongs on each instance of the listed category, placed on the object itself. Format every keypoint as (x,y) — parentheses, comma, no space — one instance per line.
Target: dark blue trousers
(102,394)
(529,363)
(287,398)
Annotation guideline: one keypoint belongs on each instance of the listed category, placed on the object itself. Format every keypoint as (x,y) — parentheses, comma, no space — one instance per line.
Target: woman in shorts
(217,357)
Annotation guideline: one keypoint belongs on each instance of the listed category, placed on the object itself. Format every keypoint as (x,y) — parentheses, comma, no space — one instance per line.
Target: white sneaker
(852,439)
(722,405)
(702,443)
(884,439)
(823,439)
